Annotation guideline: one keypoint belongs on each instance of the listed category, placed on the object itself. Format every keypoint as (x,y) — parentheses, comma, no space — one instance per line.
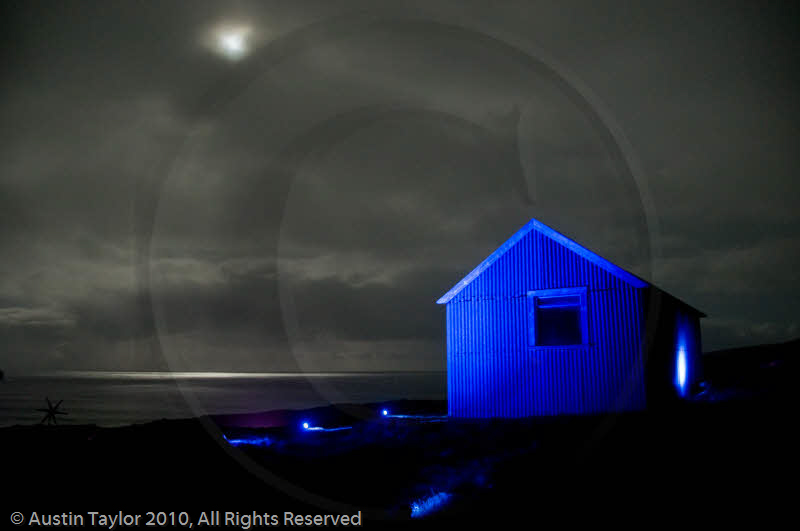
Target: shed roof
(537,225)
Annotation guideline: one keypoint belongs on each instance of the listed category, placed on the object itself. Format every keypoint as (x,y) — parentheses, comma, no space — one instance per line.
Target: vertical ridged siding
(492,372)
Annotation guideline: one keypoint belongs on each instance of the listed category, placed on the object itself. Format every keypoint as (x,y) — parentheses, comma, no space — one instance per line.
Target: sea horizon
(115,398)
(205,374)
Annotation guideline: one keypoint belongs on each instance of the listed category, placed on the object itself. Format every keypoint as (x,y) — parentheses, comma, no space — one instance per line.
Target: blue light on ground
(249,441)
(421,418)
(429,505)
(308,427)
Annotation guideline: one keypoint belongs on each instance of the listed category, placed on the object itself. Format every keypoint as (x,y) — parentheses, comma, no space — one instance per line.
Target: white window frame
(557,292)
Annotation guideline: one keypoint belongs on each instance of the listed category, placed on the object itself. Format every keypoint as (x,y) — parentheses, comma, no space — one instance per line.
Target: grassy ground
(730,454)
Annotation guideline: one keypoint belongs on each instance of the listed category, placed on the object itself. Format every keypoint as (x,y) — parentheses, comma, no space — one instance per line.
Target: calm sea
(121,398)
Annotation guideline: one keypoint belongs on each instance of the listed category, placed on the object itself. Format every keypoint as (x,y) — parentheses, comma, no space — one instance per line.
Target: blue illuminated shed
(545,326)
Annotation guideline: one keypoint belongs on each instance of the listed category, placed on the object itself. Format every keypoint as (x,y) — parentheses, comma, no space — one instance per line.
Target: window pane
(560,325)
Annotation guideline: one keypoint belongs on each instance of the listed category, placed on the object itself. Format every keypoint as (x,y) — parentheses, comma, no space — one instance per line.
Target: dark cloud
(305,206)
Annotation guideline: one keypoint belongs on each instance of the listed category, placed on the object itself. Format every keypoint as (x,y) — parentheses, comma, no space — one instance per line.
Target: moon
(232,42)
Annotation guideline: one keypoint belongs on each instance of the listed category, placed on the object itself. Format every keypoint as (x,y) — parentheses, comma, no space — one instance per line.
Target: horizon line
(210,374)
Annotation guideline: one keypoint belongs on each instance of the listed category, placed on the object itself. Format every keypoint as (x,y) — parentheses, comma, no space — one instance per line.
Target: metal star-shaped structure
(51,412)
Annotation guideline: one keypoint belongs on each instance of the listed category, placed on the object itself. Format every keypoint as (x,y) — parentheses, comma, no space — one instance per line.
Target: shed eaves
(551,233)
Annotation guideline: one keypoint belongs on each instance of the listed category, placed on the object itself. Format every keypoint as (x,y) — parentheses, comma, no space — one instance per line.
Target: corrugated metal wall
(491,370)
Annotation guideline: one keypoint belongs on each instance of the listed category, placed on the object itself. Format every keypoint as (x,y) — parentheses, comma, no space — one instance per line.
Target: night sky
(209,186)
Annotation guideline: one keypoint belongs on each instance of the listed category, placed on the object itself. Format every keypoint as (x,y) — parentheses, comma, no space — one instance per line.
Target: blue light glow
(681,371)
(424,418)
(249,441)
(308,427)
(417,416)
(384,412)
(428,505)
